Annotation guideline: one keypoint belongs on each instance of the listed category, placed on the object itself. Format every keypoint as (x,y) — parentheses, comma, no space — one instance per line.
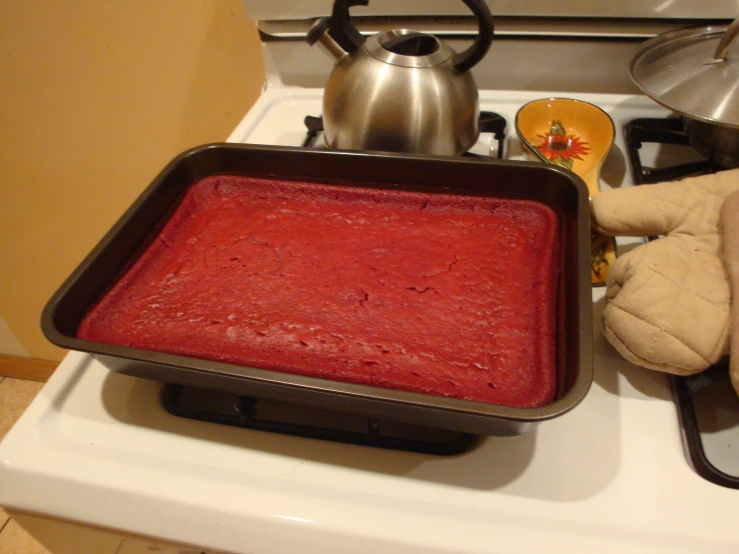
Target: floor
(15,396)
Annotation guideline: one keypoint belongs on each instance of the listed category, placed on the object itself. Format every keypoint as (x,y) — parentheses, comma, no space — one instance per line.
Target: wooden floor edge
(30,369)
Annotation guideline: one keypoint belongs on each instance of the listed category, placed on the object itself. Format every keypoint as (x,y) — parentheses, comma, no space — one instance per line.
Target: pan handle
(726,41)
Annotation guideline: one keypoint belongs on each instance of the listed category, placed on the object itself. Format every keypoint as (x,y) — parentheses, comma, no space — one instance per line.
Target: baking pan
(129,237)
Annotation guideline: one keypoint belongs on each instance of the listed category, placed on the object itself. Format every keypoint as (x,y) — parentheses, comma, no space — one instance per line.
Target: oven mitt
(730,224)
(667,301)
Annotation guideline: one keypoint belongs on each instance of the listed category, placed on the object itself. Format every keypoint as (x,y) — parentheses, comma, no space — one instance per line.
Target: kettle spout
(320,34)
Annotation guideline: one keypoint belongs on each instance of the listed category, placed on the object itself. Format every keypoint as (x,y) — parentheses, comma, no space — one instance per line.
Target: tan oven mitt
(667,302)
(730,224)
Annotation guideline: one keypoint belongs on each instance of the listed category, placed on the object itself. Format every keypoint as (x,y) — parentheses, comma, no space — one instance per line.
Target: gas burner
(664,131)
(302,421)
(708,408)
(490,122)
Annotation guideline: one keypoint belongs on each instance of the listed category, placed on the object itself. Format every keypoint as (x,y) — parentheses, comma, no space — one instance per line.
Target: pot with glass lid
(695,72)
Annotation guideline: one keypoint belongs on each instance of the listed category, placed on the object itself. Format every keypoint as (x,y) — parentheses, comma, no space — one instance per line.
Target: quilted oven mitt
(668,301)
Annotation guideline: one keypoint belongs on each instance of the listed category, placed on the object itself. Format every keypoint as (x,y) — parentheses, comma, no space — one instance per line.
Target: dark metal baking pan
(129,237)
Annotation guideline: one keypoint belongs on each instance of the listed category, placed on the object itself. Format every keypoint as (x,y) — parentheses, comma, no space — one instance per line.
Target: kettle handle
(339,27)
(468,58)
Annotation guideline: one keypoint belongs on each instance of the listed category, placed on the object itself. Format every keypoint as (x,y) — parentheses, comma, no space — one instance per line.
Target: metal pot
(691,72)
(716,142)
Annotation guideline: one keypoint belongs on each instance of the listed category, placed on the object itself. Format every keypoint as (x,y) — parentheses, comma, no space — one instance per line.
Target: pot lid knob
(726,41)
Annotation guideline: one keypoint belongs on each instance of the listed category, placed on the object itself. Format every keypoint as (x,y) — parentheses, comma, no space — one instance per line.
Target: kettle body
(376,99)
(399,91)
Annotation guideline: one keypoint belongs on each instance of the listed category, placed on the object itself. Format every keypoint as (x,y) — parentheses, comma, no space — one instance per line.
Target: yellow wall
(95,97)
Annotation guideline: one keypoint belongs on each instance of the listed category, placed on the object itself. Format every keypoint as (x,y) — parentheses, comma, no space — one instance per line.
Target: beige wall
(95,97)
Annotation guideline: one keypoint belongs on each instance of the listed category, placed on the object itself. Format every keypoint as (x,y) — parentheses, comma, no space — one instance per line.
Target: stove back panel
(573,65)
(686,9)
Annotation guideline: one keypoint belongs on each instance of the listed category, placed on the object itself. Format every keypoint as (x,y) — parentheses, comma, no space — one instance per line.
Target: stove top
(610,476)
(658,150)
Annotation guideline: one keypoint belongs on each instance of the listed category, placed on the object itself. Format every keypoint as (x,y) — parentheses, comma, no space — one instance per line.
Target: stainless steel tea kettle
(399,91)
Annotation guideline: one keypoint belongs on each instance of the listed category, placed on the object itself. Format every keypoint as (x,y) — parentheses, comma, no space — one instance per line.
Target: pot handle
(726,41)
(467,59)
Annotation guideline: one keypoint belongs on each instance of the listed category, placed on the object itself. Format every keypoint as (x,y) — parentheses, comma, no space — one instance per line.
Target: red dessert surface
(440,294)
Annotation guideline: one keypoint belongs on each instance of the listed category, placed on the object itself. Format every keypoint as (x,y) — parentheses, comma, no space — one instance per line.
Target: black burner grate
(687,391)
(279,417)
(661,131)
(490,122)
(690,394)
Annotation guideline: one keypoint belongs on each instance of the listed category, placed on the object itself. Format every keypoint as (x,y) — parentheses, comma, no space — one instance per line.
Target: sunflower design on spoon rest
(560,148)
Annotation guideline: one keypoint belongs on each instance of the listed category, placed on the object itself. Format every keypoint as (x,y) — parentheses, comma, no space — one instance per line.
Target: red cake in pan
(439,294)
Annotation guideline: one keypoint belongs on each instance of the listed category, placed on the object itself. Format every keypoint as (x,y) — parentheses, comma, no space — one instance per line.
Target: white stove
(609,477)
